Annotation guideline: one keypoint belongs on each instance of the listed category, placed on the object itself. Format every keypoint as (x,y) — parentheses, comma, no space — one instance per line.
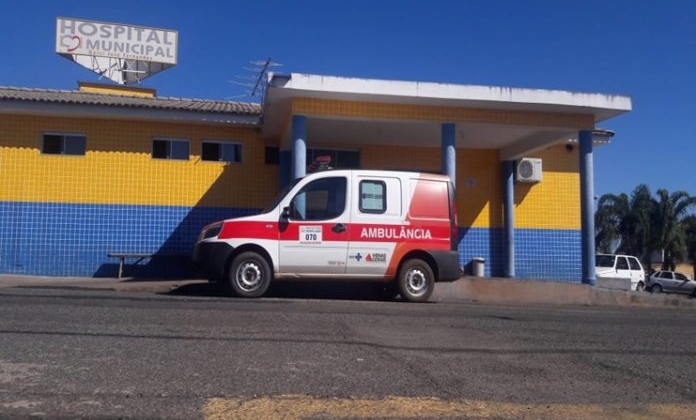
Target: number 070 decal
(310,234)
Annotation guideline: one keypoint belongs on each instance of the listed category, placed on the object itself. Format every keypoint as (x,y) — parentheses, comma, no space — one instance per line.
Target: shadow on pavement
(297,290)
(203,289)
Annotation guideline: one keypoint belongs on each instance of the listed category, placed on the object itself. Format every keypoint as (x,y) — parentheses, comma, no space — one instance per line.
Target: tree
(669,231)
(623,225)
(689,223)
(642,225)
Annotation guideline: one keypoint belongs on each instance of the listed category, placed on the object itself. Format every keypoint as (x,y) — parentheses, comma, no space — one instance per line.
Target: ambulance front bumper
(212,258)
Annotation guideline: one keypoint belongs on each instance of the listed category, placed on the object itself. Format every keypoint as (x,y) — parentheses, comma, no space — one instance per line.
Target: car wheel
(656,288)
(249,275)
(416,281)
(640,286)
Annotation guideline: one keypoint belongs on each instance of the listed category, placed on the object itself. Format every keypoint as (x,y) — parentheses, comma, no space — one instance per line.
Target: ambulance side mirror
(285,214)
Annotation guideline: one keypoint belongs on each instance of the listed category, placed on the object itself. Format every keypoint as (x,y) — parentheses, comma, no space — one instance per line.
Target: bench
(122,256)
(140,256)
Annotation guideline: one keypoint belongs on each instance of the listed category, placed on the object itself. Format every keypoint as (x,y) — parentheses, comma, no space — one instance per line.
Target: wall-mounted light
(601,136)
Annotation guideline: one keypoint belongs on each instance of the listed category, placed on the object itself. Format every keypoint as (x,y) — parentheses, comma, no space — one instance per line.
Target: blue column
(587,207)
(509,216)
(299,146)
(449,153)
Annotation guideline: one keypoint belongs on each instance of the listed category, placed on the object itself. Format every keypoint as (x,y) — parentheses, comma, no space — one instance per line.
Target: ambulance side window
(320,200)
(373,196)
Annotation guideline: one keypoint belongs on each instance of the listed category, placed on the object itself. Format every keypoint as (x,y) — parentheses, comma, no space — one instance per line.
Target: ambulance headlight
(210,231)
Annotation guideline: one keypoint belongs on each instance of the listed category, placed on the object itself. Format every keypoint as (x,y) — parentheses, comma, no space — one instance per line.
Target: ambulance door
(314,230)
(377,217)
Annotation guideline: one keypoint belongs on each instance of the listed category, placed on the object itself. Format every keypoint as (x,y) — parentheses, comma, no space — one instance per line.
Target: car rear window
(604,261)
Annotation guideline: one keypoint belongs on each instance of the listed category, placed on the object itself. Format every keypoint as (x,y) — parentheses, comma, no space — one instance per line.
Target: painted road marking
(297,407)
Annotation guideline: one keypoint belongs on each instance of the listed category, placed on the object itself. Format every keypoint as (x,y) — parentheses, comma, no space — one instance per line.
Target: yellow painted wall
(479,188)
(357,109)
(553,203)
(479,196)
(118,167)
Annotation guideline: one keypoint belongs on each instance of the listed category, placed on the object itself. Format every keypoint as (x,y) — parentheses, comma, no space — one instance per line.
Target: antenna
(254,82)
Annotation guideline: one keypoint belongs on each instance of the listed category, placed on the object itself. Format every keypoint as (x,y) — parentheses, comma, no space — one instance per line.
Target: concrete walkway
(466,289)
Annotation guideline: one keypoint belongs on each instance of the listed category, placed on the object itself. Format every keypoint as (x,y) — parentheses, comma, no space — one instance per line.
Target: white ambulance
(399,228)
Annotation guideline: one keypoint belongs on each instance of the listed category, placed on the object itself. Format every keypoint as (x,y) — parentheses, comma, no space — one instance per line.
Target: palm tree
(623,225)
(669,231)
(689,224)
(642,225)
(611,210)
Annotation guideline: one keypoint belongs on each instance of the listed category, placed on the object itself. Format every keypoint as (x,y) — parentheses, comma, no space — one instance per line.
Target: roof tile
(165,103)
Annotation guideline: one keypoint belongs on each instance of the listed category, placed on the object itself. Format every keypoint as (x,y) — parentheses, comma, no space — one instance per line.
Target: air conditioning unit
(528,170)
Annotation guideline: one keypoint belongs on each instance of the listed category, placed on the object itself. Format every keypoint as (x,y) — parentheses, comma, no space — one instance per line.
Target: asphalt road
(96,354)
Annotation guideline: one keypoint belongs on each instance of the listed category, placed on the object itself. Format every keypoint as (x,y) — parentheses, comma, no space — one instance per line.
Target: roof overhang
(513,139)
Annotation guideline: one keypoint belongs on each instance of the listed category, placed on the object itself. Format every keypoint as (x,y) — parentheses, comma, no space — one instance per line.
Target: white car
(670,281)
(627,267)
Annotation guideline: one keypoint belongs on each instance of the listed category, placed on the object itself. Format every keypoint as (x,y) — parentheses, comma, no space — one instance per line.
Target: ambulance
(397,228)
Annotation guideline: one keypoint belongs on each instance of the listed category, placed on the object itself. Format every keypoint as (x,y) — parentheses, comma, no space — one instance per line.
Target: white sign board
(310,235)
(123,53)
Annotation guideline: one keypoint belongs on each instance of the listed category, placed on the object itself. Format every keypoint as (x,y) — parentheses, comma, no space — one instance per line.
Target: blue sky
(643,49)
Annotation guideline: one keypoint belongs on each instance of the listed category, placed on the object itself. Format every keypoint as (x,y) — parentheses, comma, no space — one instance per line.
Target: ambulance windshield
(279,197)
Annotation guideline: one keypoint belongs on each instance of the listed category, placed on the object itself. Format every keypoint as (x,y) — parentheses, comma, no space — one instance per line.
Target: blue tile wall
(548,254)
(543,254)
(482,243)
(74,239)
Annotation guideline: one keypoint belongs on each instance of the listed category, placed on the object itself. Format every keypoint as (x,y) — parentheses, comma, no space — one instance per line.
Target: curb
(535,292)
(490,290)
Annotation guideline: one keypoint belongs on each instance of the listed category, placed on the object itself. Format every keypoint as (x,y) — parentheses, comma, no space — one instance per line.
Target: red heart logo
(76,43)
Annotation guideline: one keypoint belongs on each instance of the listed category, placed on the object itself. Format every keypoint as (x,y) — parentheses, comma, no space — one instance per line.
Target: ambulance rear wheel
(250,275)
(416,281)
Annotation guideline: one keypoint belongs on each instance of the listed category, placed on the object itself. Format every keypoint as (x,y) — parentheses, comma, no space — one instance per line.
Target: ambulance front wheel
(250,275)
(416,281)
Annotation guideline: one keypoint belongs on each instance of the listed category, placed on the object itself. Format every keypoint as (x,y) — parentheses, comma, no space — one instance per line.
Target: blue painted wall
(543,254)
(74,239)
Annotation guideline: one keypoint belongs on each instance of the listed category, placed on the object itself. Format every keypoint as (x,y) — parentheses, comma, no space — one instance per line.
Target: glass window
(320,200)
(665,275)
(159,149)
(634,264)
(64,144)
(347,159)
(216,151)
(621,263)
(373,197)
(604,261)
(170,149)
(680,276)
(272,155)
